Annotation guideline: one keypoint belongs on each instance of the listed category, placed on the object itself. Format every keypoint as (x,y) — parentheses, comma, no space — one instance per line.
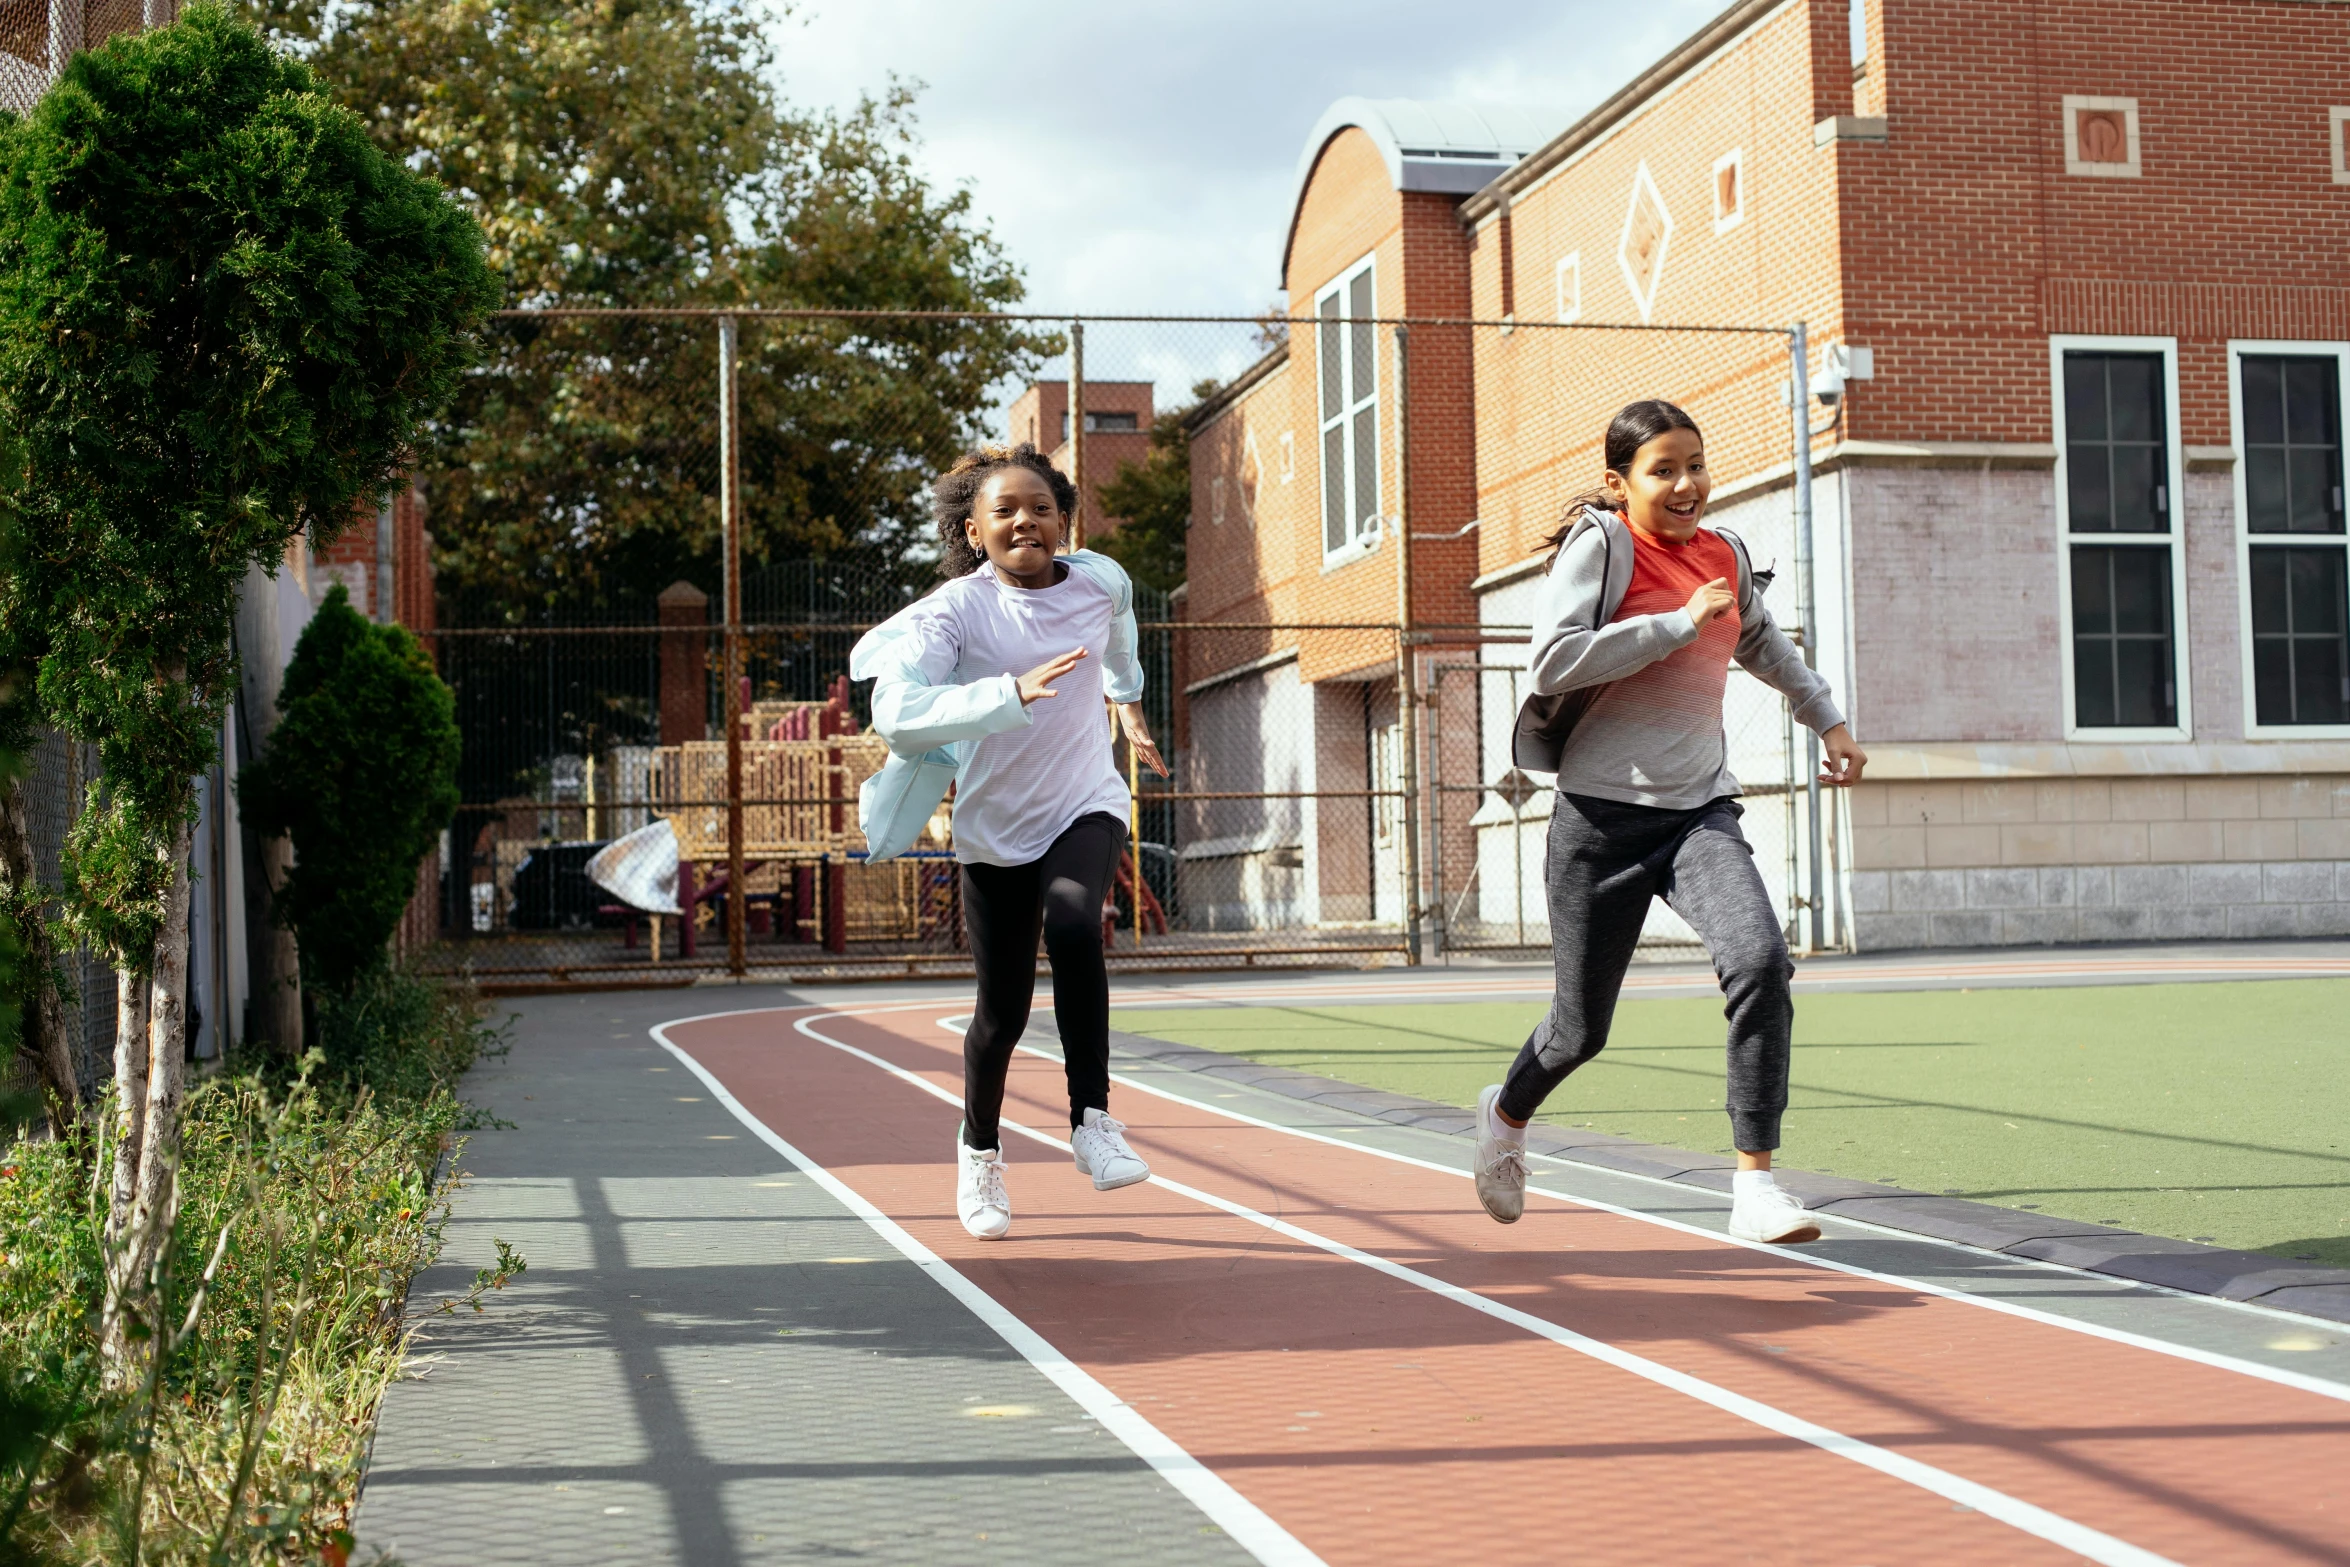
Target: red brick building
(2084,272)
(1117,431)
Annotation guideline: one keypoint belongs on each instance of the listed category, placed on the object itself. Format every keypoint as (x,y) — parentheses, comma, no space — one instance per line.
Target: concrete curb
(2217,1271)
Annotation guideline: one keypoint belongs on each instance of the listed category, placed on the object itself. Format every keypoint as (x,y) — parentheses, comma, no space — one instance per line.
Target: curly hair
(956,491)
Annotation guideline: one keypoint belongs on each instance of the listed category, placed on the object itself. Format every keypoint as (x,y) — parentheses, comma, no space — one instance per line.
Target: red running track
(1376,1419)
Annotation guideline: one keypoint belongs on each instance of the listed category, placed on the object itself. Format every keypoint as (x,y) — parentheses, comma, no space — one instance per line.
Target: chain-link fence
(1333,675)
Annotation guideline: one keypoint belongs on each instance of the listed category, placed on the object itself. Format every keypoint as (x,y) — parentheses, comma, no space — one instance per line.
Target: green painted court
(2203,1111)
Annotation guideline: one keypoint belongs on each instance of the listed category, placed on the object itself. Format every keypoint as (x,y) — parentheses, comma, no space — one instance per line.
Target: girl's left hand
(1840,766)
(1138,735)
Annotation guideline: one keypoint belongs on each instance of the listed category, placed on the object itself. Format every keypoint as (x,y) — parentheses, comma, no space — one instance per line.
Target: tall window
(2120,537)
(2291,419)
(1349,356)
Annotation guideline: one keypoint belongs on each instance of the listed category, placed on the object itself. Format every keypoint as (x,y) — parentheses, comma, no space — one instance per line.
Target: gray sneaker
(1501,1161)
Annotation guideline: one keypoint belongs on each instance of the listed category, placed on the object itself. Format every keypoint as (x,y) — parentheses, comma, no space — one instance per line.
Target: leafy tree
(224,316)
(634,153)
(361,772)
(1152,500)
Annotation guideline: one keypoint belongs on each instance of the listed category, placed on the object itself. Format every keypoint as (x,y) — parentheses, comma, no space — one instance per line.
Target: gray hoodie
(1608,751)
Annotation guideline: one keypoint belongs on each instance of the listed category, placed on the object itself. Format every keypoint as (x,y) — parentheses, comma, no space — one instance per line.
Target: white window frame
(2238,349)
(2338,144)
(1568,279)
(1365,525)
(1735,158)
(2176,472)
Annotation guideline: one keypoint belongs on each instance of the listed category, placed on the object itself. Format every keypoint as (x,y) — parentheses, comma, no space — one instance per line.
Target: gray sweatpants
(1605,861)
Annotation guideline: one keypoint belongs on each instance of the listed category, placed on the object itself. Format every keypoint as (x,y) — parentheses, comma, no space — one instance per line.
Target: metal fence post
(1405,696)
(1808,606)
(730,513)
(1077,429)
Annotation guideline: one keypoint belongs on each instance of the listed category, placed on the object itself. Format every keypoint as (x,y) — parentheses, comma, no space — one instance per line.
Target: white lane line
(1231,1512)
(2078,1538)
(2298,1380)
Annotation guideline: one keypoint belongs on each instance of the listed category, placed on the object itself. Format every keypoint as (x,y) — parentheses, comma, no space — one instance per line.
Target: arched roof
(1456,148)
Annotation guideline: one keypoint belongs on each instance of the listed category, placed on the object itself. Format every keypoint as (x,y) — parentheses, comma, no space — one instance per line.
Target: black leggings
(1002,905)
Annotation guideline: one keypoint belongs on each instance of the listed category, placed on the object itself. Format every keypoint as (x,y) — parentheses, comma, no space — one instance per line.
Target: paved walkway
(752,1331)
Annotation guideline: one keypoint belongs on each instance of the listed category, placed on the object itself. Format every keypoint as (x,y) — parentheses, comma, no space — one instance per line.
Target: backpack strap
(1747,576)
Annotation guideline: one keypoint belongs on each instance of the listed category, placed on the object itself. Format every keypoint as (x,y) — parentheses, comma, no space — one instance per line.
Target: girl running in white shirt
(1011,659)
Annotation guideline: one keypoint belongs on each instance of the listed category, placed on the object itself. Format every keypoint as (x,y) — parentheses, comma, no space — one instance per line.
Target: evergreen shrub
(361,771)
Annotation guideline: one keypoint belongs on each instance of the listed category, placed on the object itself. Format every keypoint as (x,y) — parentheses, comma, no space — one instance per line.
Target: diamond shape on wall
(1648,232)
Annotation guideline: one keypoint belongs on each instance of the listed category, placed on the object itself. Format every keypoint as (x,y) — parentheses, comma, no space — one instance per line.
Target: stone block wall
(2024,861)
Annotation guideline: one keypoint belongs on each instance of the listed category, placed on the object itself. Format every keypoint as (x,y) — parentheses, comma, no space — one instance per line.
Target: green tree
(361,772)
(1152,500)
(635,153)
(224,316)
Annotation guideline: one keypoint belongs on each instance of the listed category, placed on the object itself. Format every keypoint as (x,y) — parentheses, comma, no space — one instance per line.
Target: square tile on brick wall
(2263,919)
(1865,806)
(2092,885)
(1967,928)
(2113,924)
(1872,892)
(2039,926)
(2057,886)
(1889,932)
(2002,889)
(1928,890)
(2148,884)
(2296,881)
(1922,804)
(2213,884)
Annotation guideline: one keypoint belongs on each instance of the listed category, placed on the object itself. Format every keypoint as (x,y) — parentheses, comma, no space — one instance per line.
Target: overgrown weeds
(306,1204)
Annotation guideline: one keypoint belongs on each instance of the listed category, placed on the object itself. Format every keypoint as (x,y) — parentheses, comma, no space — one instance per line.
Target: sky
(1142,157)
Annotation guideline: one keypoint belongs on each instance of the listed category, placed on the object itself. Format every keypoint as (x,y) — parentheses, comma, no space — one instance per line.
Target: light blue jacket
(934,718)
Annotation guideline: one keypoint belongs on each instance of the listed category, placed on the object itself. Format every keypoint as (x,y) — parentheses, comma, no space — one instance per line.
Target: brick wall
(1966,243)
(1544,396)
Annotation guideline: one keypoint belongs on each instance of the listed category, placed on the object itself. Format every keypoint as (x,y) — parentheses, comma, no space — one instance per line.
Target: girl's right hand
(1038,682)
(1709,601)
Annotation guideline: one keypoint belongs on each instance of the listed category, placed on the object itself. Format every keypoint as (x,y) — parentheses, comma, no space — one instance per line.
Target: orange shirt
(1685,685)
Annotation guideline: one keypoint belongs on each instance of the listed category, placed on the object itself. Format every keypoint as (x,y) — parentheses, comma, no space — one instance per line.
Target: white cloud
(1141,158)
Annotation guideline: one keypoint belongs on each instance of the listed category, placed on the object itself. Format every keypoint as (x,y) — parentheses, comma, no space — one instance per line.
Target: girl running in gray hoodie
(1641,614)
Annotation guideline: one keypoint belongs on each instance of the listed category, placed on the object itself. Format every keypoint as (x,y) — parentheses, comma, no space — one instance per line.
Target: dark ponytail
(1634,426)
(957,490)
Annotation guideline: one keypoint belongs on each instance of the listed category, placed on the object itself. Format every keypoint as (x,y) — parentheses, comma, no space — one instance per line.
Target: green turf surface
(2210,1112)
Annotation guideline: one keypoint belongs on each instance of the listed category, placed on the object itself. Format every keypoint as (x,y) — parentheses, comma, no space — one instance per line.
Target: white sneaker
(1099,1147)
(980,1199)
(1501,1160)
(1766,1211)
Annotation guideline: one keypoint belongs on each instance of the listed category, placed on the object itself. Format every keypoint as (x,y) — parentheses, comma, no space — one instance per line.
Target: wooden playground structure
(804,876)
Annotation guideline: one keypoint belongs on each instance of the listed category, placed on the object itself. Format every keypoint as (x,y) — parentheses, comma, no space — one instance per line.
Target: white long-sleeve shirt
(950,672)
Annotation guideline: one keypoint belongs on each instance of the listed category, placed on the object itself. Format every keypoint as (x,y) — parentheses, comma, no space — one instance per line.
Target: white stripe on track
(2078,1538)
(1241,1519)
(2300,1381)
